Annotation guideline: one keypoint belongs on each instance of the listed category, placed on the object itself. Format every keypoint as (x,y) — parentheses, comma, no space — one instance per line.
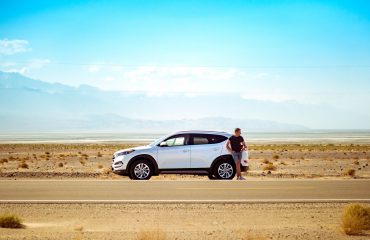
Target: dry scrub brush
(269,167)
(23,165)
(355,219)
(10,221)
(265,161)
(351,172)
(4,160)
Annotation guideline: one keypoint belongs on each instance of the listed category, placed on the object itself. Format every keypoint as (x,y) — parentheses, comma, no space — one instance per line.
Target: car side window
(177,141)
(197,140)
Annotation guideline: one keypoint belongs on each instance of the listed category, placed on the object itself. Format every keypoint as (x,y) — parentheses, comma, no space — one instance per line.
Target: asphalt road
(103,191)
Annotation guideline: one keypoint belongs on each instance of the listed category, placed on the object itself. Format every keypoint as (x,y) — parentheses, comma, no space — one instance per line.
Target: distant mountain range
(32,105)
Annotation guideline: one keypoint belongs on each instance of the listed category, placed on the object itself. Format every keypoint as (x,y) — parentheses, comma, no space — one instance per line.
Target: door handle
(215,149)
(185,150)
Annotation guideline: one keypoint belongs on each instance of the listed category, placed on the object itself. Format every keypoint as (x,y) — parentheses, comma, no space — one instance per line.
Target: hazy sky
(315,52)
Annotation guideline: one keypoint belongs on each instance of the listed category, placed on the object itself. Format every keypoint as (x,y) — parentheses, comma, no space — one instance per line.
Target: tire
(224,170)
(141,170)
(211,176)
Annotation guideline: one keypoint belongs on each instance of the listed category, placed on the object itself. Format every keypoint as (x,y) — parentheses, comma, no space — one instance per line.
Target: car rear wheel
(224,170)
(141,170)
(211,176)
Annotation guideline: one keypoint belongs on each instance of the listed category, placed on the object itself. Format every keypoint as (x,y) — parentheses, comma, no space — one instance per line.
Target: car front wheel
(141,170)
(225,170)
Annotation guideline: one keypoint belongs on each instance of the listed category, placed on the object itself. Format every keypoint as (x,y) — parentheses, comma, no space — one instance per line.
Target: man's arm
(245,146)
(228,146)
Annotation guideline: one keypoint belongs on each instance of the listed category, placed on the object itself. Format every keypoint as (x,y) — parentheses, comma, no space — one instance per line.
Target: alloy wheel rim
(141,170)
(225,170)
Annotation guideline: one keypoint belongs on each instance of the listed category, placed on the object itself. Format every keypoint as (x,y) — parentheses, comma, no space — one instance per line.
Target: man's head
(237,132)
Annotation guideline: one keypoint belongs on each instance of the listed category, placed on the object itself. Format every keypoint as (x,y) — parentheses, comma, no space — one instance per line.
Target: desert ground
(266,161)
(279,220)
(178,221)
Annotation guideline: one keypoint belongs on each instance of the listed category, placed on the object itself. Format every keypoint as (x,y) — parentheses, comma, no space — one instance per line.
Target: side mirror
(163,144)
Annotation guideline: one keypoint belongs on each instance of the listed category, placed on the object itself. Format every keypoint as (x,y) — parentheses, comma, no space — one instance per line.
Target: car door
(174,152)
(204,149)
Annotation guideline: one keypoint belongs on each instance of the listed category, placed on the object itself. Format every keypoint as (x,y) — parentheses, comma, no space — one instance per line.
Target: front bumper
(119,163)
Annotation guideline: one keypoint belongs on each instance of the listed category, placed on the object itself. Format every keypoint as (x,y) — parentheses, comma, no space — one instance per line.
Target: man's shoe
(241,178)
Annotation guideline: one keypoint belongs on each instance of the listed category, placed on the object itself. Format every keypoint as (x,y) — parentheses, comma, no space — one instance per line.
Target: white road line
(219,201)
(244,188)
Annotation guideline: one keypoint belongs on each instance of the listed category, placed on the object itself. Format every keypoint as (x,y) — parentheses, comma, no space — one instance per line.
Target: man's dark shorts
(237,156)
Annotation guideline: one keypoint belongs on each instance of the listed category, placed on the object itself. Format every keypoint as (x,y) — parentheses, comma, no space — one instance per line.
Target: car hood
(134,148)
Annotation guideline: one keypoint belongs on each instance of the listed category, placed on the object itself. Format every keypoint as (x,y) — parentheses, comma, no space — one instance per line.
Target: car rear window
(216,138)
(198,139)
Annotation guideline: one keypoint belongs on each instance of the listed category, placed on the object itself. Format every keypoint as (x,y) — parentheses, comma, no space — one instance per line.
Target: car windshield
(158,141)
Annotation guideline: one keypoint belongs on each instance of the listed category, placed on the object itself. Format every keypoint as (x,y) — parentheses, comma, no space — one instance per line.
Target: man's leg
(238,172)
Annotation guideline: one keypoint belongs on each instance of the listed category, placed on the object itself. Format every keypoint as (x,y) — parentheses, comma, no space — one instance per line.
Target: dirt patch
(94,161)
(178,221)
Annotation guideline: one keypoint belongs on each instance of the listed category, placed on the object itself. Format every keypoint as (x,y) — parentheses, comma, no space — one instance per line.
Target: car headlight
(118,164)
(125,152)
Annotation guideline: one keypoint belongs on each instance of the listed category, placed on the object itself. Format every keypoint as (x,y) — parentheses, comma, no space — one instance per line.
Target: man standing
(236,145)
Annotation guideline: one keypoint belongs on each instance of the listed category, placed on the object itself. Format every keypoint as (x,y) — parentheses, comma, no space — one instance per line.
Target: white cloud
(157,80)
(268,95)
(4,65)
(24,68)
(104,67)
(109,79)
(183,72)
(38,63)
(189,81)
(11,47)
(93,68)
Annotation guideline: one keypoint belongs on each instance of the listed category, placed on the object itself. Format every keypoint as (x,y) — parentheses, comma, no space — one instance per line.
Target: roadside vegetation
(4,160)
(23,165)
(265,161)
(355,219)
(351,172)
(10,221)
(269,167)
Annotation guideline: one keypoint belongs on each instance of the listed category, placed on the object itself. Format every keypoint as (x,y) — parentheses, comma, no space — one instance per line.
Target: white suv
(185,152)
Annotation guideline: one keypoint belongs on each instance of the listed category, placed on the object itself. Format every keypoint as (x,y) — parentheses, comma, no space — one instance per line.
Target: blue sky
(312,52)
